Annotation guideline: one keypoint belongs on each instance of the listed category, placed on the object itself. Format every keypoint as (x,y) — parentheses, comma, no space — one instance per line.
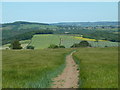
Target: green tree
(15,45)
(81,44)
(75,45)
(84,44)
(30,47)
(61,46)
(53,46)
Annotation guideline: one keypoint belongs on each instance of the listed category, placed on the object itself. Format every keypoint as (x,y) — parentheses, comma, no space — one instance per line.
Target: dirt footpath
(69,76)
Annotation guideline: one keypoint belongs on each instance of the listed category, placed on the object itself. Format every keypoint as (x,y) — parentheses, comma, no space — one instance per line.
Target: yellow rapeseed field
(87,39)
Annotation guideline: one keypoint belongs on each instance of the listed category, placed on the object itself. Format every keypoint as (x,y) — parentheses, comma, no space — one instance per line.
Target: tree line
(24,36)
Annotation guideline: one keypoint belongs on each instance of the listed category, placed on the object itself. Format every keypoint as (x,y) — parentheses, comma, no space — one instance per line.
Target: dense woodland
(25,30)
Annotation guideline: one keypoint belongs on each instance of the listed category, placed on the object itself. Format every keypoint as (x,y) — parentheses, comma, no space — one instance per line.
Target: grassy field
(44,41)
(98,67)
(23,43)
(32,68)
(35,68)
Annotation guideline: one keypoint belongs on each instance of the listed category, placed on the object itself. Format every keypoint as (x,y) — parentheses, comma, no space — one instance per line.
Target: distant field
(87,39)
(43,41)
(24,43)
(98,67)
(32,68)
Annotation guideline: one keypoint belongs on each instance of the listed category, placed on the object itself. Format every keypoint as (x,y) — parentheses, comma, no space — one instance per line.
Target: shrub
(81,44)
(61,46)
(53,46)
(84,44)
(56,46)
(30,47)
(106,46)
(7,48)
(15,45)
(75,45)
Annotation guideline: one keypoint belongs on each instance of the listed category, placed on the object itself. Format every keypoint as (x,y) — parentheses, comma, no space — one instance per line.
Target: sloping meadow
(32,68)
(98,67)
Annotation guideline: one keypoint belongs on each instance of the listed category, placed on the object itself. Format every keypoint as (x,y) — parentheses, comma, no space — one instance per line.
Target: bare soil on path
(69,77)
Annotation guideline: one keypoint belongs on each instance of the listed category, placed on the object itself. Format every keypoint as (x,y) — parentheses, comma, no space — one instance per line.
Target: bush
(53,46)
(15,45)
(61,46)
(84,44)
(75,45)
(81,44)
(30,47)
(56,46)
(106,46)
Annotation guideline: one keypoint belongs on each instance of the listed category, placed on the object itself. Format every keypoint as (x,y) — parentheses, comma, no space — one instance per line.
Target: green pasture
(35,68)
(31,68)
(44,41)
(98,67)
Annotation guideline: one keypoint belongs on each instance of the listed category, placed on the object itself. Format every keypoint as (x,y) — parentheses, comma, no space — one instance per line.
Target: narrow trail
(69,77)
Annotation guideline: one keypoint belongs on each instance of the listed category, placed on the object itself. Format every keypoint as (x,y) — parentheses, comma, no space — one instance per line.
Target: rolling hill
(22,30)
(102,23)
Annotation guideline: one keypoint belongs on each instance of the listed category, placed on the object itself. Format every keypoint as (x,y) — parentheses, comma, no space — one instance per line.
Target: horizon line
(57,22)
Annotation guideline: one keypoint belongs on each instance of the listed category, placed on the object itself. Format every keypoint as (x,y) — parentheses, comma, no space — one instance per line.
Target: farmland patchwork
(44,41)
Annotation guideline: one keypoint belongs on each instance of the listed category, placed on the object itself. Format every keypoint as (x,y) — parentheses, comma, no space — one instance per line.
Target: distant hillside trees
(8,37)
(21,30)
(81,44)
(89,32)
(15,45)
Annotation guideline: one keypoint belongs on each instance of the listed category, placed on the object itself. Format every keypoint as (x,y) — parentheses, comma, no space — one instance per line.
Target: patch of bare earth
(69,77)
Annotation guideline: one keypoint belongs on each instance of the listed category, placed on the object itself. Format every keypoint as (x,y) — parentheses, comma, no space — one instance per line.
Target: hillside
(105,23)
(22,22)
(22,30)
